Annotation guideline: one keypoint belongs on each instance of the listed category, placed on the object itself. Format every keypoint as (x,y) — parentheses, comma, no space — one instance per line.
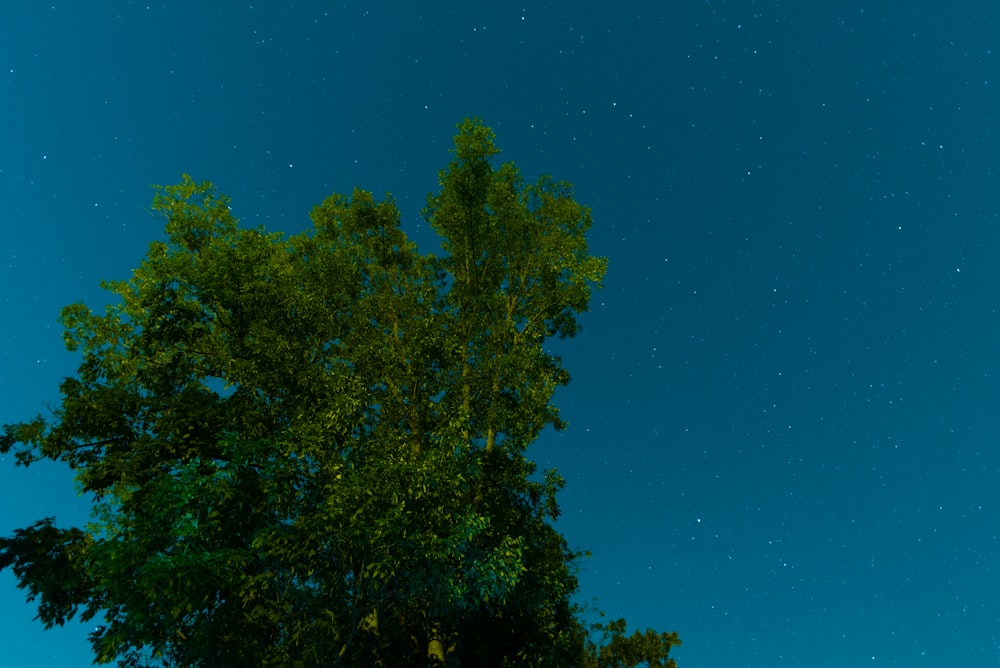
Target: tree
(310,450)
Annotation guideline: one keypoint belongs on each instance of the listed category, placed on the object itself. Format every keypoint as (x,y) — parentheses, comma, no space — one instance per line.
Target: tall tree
(310,450)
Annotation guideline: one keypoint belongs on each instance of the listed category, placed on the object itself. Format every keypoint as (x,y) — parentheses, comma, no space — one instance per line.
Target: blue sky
(784,430)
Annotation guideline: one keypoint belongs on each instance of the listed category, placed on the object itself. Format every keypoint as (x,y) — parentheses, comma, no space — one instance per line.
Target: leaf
(316,445)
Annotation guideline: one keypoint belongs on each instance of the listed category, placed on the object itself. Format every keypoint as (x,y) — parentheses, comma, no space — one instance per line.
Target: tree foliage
(310,450)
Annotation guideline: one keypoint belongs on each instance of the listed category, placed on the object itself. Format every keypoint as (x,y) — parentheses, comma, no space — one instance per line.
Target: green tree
(310,450)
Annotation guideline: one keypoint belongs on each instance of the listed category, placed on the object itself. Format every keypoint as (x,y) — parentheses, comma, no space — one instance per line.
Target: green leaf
(316,445)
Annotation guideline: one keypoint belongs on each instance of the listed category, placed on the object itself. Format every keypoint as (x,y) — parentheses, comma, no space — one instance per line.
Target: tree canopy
(311,450)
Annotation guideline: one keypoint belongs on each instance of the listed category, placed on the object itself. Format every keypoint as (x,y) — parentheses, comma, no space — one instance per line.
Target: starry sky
(783,415)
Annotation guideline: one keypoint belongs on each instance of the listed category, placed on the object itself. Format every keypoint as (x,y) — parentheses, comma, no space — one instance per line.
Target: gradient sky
(783,436)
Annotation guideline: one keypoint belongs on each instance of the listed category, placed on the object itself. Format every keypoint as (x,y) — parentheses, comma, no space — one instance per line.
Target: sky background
(783,436)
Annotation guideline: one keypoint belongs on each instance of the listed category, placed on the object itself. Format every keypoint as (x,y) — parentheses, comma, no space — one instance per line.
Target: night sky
(783,436)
